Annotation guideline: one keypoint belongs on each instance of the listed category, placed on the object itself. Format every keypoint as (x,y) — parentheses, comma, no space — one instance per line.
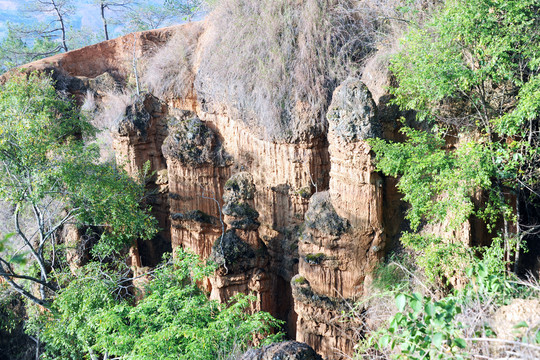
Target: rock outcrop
(299,225)
(137,139)
(197,168)
(344,234)
(240,253)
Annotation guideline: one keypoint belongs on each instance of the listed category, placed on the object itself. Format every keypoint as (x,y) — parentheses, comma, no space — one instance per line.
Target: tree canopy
(49,178)
(174,320)
(473,71)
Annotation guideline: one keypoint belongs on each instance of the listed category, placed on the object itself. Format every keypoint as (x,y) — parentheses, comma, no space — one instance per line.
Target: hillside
(327,170)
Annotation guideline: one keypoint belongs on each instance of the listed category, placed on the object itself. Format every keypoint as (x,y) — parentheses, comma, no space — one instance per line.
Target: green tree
(15,50)
(175,319)
(473,70)
(185,8)
(150,16)
(58,11)
(49,178)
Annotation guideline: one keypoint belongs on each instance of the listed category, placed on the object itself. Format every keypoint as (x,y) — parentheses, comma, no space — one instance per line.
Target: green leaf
(521,324)
(437,340)
(401,301)
(429,308)
(416,305)
(19,259)
(460,343)
(8,236)
(384,341)
(418,296)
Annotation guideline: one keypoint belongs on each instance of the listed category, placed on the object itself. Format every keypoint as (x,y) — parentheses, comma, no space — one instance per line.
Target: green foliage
(49,175)
(441,260)
(315,259)
(186,8)
(474,68)
(42,149)
(434,181)
(472,71)
(174,320)
(468,46)
(476,64)
(9,321)
(15,50)
(424,329)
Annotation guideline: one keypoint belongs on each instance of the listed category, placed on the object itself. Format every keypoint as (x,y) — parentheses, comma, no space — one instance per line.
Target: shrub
(456,326)
(175,320)
(424,329)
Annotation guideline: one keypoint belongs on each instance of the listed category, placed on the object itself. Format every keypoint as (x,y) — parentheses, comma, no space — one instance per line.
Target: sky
(86,15)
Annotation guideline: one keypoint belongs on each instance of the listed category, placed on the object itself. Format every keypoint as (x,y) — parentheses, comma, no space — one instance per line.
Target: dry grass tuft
(169,71)
(105,116)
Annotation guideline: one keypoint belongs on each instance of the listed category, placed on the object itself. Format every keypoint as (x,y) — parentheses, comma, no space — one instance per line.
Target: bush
(456,326)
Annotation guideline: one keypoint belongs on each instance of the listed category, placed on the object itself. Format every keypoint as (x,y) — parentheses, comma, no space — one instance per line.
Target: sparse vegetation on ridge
(278,61)
(169,73)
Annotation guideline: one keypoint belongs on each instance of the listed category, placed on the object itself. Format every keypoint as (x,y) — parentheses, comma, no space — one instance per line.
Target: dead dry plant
(278,61)
(106,116)
(168,72)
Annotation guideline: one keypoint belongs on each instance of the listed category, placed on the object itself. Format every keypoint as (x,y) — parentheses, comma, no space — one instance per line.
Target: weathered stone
(137,141)
(321,216)
(193,143)
(136,119)
(327,323)
(232,252)
(241,255)
(239,187)
(195,215)
(343,236)
(288,350)
(352,115)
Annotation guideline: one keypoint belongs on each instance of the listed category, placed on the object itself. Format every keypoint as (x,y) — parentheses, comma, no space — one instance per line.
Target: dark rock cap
(288,350)
(352,115)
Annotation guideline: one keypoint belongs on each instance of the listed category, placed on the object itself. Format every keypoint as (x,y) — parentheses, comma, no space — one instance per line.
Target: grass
(105,115)
(277,62)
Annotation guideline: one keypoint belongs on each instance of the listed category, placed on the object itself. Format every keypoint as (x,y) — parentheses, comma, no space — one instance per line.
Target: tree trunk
(62,26)
(105,30)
